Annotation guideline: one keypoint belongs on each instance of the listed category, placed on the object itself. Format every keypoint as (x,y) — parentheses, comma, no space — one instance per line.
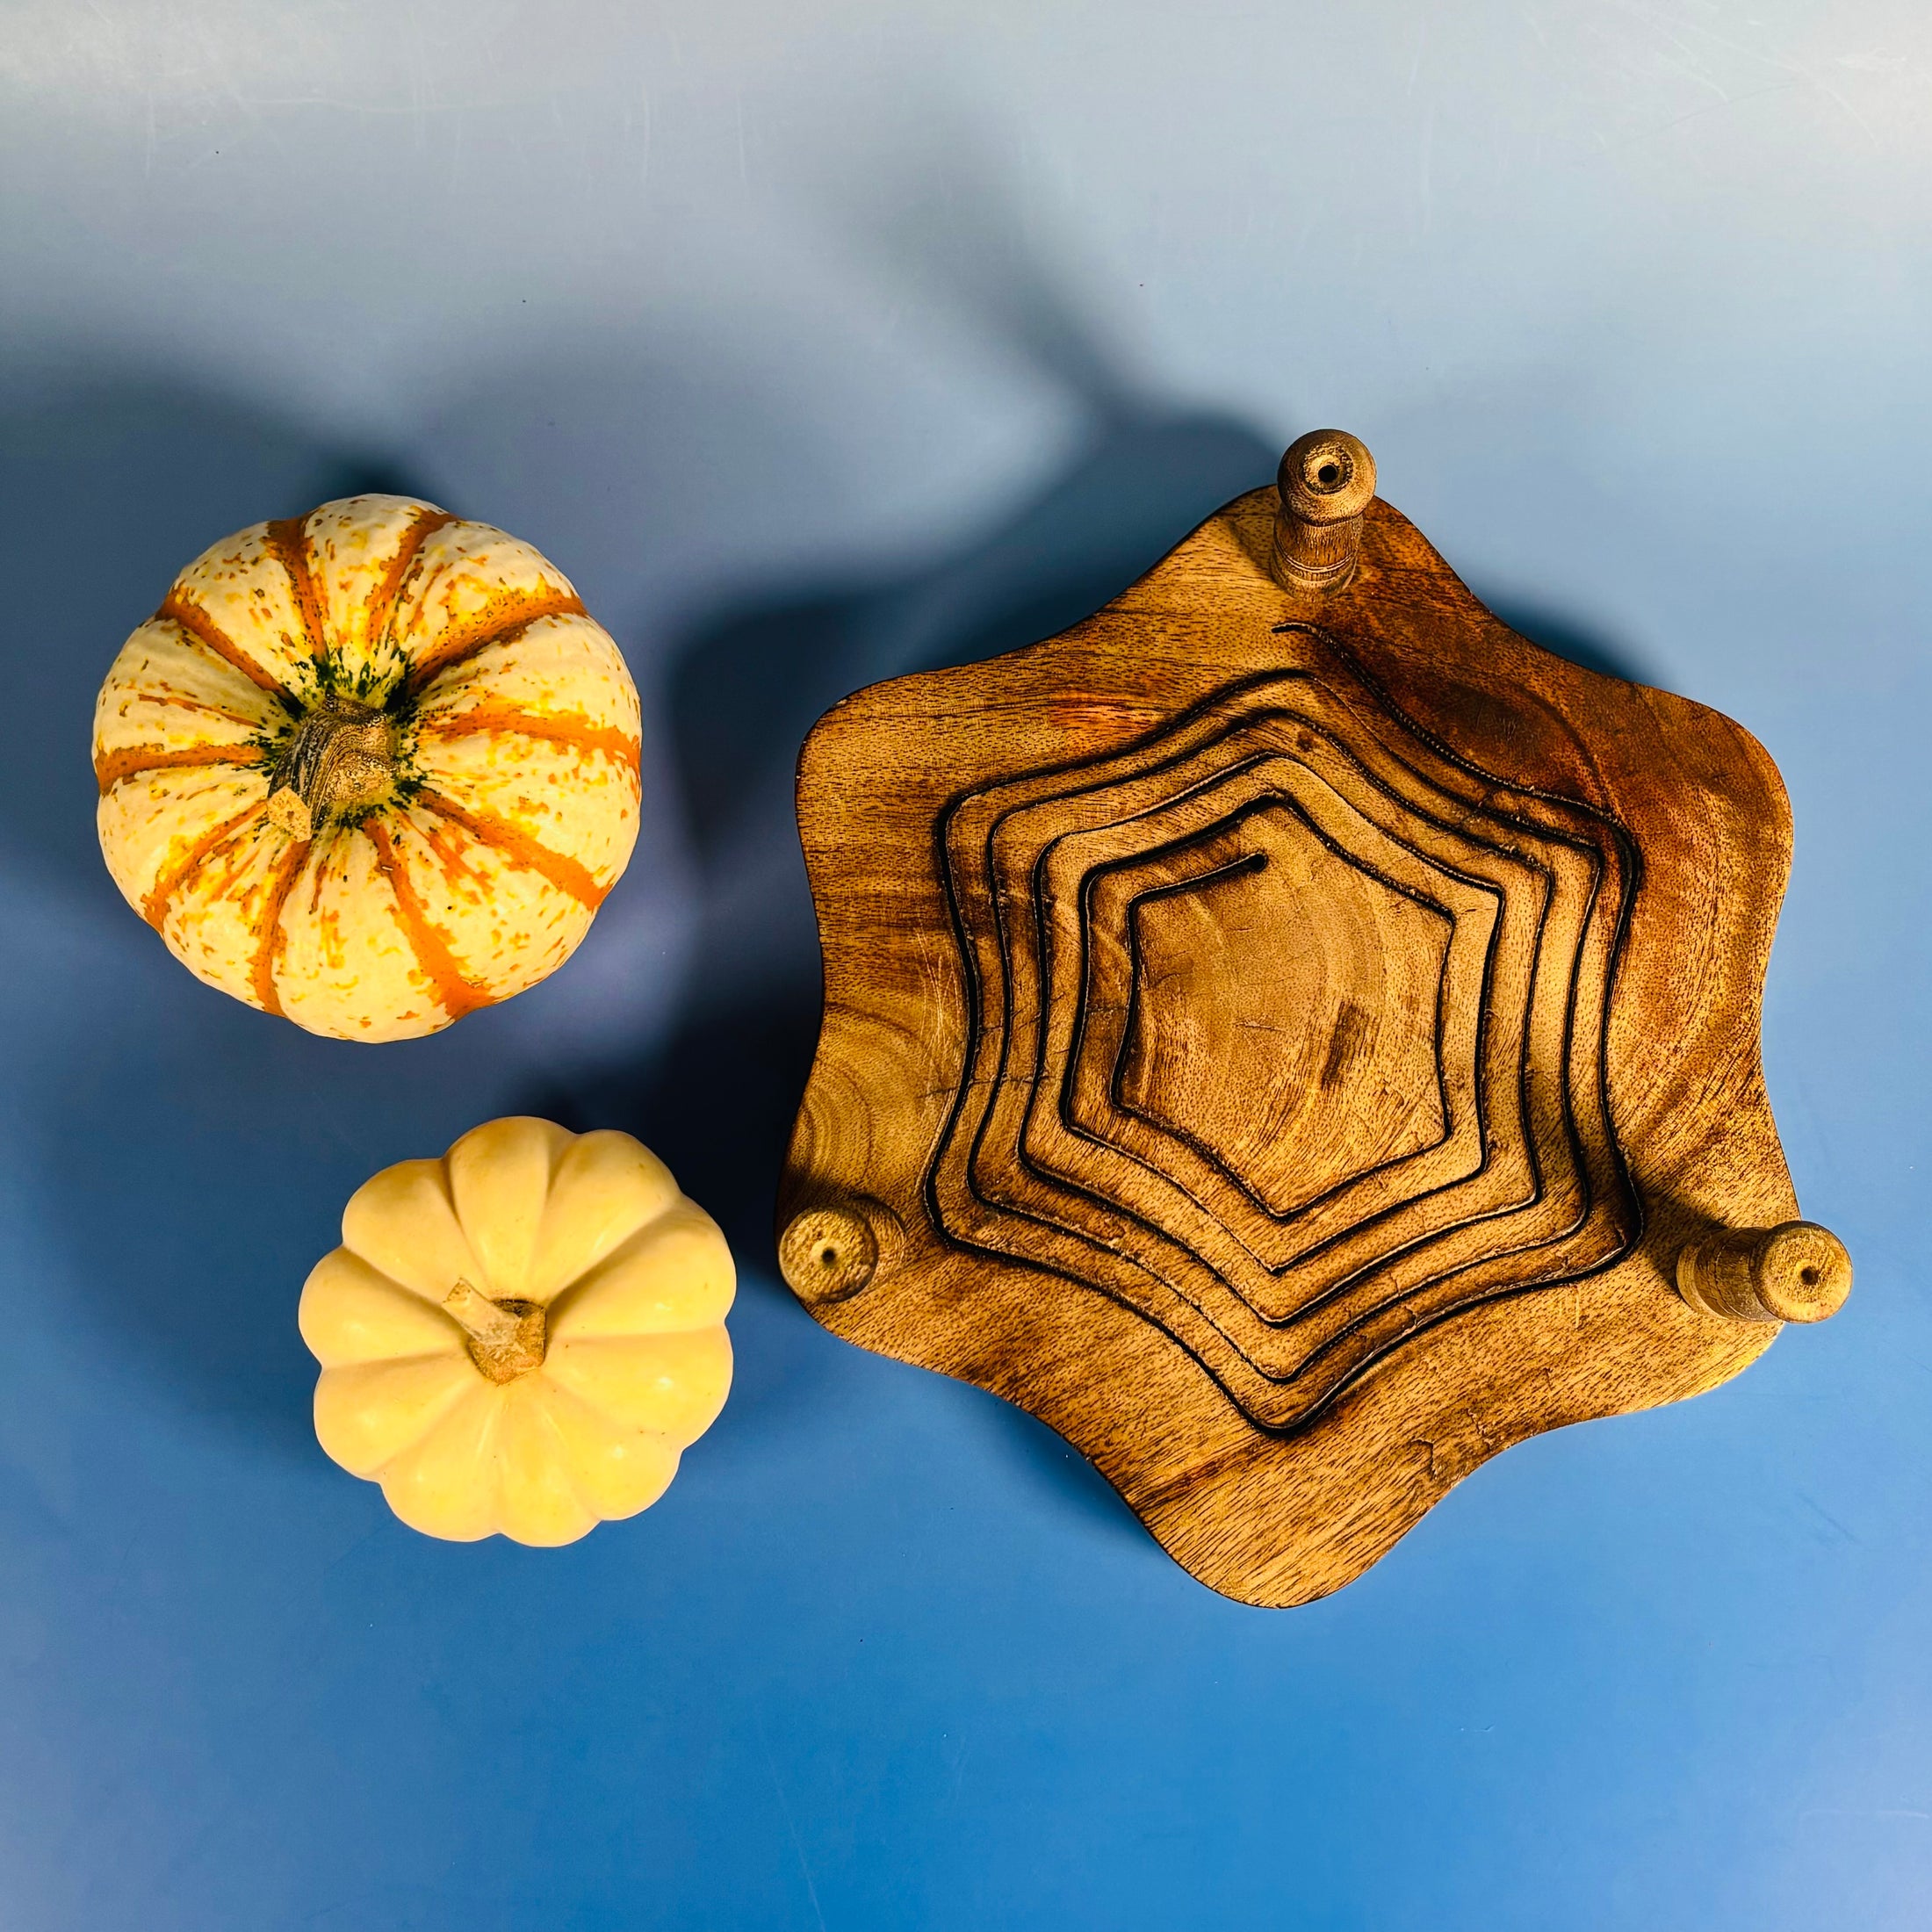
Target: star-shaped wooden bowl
(1295,1037)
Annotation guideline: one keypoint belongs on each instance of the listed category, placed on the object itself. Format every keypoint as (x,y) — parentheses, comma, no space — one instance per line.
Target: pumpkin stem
(507,1338)
(342,756)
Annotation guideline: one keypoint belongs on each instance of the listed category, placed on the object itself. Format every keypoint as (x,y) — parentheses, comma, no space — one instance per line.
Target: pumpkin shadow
(184,1157)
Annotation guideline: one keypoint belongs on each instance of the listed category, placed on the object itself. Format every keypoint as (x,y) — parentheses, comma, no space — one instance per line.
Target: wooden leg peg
(1327,480)
(1795,1272)
(828,1253)
(1198,979)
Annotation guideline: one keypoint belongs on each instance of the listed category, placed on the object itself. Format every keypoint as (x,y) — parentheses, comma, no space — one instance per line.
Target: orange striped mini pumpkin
(370,769)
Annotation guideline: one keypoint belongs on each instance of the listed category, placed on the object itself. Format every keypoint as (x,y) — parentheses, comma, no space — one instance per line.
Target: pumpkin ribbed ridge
(178,607)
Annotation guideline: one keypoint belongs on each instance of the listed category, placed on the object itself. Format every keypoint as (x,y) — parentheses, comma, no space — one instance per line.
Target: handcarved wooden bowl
(1295,1037)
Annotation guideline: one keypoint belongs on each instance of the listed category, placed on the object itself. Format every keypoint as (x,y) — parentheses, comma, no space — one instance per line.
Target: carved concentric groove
(1289,1206)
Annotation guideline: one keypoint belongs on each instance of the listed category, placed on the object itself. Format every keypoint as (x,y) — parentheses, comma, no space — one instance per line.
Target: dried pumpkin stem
(342,755)
(507,1338)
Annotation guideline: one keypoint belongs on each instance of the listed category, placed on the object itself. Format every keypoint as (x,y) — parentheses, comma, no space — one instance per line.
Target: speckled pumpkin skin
(514,809)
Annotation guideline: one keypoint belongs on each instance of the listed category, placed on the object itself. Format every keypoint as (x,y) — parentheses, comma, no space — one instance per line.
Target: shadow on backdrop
(1566,636)
(717,1096)
(746,685)
(717,1101)
(181,1148)
(216,1144)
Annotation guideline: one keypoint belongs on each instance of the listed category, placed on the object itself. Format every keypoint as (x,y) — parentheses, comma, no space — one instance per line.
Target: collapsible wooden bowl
(1295,1037)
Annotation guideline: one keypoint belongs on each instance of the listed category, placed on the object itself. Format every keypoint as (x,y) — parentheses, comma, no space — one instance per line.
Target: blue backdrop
(817,342)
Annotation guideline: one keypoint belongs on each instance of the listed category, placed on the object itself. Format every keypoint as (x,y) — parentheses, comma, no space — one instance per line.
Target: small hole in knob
(1809,1277)
(827,1257)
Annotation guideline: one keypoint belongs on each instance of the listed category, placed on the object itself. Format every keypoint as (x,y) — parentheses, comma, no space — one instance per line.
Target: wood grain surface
(1285,1039)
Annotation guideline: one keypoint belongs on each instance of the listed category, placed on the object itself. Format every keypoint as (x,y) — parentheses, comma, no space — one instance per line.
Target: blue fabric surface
(817,344)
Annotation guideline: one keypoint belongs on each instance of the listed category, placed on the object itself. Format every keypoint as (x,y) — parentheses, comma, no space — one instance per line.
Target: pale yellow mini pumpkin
(521,1336)
(371,769)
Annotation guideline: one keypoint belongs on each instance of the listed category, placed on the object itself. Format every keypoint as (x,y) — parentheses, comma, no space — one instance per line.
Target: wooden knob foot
(1327,480)
(828,1253)
(1798,1272)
